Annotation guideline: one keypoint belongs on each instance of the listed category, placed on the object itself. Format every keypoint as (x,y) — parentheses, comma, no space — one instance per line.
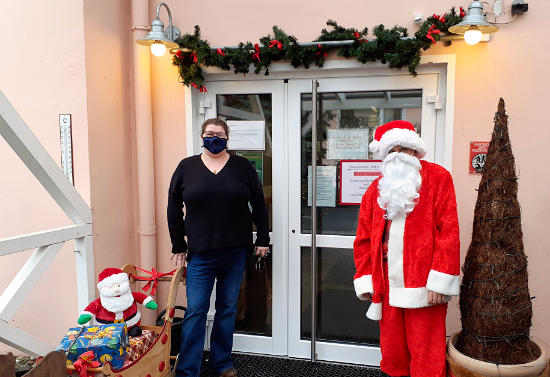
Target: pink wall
(80,63)
(42,73)
(513,65)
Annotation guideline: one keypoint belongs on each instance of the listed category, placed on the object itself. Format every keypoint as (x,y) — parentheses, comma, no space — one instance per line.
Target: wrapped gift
(108,342)
(138,345)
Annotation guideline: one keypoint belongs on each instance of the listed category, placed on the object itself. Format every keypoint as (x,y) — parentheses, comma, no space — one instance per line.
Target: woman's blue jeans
(226,266)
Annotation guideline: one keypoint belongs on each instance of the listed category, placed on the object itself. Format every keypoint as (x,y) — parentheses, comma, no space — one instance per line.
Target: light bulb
(158,49)
(472,36)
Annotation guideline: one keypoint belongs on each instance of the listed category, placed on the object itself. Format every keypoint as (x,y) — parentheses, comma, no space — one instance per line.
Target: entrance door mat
(267,366)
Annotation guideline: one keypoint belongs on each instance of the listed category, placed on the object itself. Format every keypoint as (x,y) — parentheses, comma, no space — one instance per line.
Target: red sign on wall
(478,155)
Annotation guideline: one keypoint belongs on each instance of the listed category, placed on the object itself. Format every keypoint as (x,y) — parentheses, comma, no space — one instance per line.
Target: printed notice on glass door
(326,186)
(247,135)
(355,178)
(347,143)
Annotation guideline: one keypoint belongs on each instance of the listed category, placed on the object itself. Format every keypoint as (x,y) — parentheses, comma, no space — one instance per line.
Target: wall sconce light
(159,38)
(474,24)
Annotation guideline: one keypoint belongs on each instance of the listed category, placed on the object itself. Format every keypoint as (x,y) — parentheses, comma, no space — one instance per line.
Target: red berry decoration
(161,366)
(164,338)
(172,311)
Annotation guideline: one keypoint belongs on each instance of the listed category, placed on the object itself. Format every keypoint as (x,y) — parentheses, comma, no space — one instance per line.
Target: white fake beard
(399,184)
(116,304)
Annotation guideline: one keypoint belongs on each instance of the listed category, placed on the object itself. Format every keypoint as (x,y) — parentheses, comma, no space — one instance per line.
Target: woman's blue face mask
(214,144)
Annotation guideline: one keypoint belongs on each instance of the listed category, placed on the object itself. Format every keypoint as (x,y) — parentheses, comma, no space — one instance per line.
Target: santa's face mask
(400,184)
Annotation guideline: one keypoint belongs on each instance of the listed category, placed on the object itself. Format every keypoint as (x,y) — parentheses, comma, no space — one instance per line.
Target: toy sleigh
(155,360)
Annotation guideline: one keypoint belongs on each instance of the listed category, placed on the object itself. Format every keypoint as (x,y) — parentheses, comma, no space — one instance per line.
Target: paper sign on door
(355,178)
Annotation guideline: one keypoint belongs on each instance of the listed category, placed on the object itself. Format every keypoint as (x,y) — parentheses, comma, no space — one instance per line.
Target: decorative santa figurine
(407,253)
(116,302)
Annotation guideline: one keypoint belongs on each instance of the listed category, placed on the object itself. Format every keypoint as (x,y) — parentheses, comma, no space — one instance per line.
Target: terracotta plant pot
(483,368)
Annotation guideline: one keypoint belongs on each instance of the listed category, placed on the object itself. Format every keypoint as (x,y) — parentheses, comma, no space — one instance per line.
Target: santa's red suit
(423,254)
(132,316)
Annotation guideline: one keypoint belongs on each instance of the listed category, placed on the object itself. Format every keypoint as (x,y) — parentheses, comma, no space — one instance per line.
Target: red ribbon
(84,362)
(179,54)
(276,43)
(202,89)
(321,50)
(462,13)
(432,30)
(257,53)
(152,282)
(194,56)
(220,52)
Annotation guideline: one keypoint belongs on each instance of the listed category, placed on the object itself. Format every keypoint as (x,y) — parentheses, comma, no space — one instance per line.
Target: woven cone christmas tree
(495,303)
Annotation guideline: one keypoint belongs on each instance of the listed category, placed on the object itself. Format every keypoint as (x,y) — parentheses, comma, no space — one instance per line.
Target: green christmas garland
(392,46)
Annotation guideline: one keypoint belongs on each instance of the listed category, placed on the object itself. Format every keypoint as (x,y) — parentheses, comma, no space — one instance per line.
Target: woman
(215,189)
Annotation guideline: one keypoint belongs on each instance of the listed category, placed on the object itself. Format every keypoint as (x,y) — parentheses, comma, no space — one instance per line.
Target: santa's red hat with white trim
(394,133)
(110,276)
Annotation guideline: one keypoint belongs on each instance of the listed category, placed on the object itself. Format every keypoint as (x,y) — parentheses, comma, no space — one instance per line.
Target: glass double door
(275,306)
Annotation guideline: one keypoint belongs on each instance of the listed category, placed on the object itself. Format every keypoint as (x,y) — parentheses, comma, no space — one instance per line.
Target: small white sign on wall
(248,135)
(352,143)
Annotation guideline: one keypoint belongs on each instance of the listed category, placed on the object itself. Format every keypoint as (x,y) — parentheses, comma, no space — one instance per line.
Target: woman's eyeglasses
(222,135)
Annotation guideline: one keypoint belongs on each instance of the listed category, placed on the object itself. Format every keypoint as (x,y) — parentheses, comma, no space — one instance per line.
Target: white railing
(47,243)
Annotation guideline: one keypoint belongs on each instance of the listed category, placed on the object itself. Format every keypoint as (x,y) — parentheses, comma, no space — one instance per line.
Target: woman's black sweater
(217,211)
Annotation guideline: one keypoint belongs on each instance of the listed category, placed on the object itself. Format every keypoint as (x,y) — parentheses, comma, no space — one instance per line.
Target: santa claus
(407,253)
(116,302)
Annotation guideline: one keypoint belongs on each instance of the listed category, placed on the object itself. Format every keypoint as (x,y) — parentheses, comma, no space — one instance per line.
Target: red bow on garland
(152,282)
(440,18)
(276,43)
(179,54)
(357,36)
(220,52)
(256,55)
(194,56)
(321,50)
(432,30)
(84,362)
(462,13)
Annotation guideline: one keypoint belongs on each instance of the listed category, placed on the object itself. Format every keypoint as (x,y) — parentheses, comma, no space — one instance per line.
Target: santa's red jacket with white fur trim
(131,315)
(423,247)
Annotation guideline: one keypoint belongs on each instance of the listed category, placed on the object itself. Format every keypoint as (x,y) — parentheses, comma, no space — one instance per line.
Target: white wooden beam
(26,278)
(29,149)
(85,273)
(44,238)
(24,342)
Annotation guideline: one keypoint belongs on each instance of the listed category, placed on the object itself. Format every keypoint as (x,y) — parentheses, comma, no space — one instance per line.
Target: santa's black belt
(107,322)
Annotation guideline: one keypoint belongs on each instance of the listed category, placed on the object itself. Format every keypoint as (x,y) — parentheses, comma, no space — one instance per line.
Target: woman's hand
(261,251)
(179,259)
(435,298)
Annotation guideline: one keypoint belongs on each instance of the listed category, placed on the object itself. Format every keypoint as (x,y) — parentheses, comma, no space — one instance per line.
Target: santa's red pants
(413,341)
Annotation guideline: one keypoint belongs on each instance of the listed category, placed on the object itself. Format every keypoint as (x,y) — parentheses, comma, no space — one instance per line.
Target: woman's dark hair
(215,122)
